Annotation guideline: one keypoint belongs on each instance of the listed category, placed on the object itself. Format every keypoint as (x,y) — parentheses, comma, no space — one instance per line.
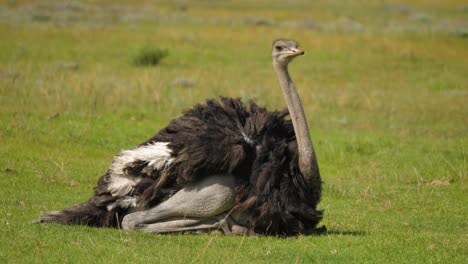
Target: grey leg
(184,225)
(203,200)
(221,223)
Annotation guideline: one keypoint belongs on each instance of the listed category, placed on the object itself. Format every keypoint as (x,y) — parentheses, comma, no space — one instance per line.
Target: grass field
(384,85)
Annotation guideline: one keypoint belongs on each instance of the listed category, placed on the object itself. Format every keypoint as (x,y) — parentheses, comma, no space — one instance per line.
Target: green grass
(385,88)
(149,56)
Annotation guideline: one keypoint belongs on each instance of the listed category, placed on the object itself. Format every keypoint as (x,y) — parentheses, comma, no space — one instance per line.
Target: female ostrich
(221,165)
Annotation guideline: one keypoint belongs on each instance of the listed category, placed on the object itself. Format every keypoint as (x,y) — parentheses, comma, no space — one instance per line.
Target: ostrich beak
(297,52)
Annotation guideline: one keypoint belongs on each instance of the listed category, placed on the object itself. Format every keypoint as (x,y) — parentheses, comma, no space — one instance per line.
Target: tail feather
(94,212)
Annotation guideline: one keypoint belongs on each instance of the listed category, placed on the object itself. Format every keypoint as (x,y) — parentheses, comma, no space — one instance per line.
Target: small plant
(41,18)
(149,56)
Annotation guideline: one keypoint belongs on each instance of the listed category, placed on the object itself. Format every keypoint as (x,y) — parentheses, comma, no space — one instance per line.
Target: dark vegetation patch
(149,55)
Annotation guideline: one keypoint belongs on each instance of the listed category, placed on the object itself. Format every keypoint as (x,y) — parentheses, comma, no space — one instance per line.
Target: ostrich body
(220,166)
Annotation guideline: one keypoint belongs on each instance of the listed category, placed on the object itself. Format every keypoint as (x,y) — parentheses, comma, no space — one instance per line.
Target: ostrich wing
(206,140)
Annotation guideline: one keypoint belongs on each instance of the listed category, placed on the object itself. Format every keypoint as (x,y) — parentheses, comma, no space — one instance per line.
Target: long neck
(307,161)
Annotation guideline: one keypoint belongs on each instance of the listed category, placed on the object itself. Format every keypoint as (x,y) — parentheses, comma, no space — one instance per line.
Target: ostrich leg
(221,222)
(200,205)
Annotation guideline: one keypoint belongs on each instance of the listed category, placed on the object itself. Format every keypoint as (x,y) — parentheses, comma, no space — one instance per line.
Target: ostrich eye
(279,48)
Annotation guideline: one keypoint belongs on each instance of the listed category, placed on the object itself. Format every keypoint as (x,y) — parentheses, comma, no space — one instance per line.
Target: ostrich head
(284,51)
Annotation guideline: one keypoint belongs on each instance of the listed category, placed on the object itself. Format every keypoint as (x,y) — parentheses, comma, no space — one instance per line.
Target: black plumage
(221,136)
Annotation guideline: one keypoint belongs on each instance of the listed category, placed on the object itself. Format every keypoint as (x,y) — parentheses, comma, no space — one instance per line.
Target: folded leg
(199,205)
(204,225)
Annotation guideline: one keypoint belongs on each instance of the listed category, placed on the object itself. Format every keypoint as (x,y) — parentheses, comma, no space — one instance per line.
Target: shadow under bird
(223,165)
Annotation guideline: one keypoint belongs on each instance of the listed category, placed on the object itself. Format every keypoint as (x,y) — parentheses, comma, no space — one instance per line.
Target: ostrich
(222,165)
